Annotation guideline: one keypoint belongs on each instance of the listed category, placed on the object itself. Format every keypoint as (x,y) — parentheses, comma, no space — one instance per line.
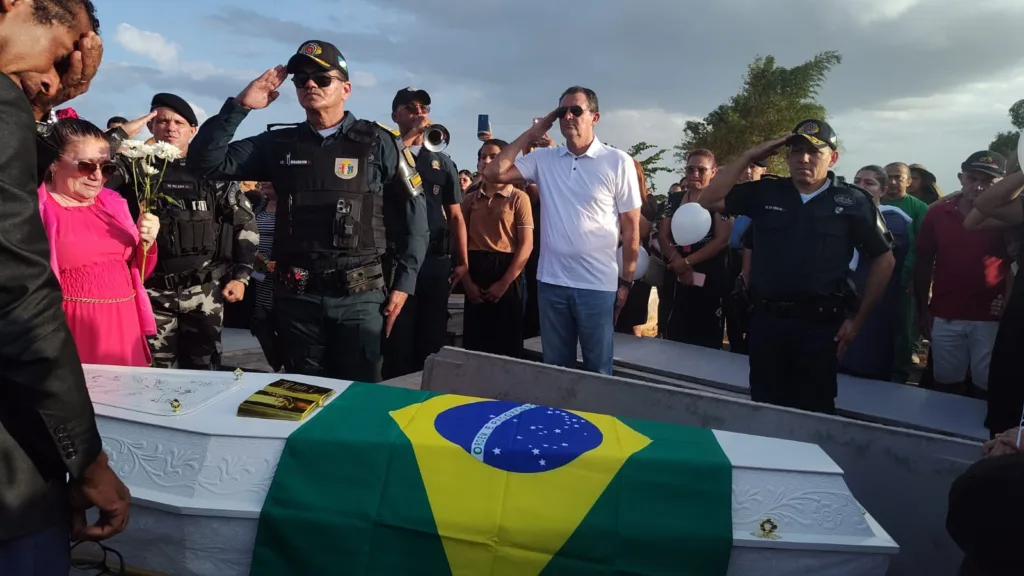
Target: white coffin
(199,477)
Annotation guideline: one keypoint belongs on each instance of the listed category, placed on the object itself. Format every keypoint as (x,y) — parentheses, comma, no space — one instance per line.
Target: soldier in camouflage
(206,246)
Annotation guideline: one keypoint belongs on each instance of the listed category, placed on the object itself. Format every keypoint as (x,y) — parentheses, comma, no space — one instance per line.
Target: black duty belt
(182,280)
(349,282)
(818,310)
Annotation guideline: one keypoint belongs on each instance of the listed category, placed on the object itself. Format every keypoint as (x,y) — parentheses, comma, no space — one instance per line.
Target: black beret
(176,103)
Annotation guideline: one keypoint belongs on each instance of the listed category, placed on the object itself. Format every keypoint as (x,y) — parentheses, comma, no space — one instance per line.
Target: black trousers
(331,335)
(531,322)
(422,327)
(793,361)
(737,313)
(696,316)
(1005,388)
(494,327)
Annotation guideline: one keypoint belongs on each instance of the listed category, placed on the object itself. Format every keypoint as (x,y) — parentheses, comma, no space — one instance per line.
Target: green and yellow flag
(393,482)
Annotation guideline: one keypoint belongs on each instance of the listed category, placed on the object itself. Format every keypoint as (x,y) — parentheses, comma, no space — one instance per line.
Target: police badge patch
(346,168)
(843,200)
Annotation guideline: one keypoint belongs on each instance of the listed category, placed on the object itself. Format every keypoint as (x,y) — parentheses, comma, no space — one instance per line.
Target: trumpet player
(422,328)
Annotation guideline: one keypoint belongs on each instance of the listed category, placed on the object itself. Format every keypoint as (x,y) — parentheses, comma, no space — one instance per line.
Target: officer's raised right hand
(541,127)
(135,126)
(765,150)
(262,91)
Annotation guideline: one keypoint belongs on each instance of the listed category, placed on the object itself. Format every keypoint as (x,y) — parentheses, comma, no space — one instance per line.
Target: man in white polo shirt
(591,197)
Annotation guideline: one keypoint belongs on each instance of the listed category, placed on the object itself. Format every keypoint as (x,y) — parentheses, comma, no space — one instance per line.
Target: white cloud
(939,131)
(625,127)
(364,80)
(149,44)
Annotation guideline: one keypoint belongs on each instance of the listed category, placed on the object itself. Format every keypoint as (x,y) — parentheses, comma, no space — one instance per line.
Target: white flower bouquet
(149,161)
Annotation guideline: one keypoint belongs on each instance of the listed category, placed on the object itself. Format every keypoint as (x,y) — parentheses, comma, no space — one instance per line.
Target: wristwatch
(625,283)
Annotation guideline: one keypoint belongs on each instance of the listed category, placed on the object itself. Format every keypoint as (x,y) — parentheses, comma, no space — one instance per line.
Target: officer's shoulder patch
(853,192)
(393,131)
(843,199)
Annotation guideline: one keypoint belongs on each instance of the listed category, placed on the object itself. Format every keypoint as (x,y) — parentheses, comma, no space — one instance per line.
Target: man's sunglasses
(416,108)
(86,168)
(577,111)
(321,79)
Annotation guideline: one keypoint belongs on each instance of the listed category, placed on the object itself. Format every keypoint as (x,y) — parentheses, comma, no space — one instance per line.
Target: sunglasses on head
(577,111)
(321,79)
(87,168)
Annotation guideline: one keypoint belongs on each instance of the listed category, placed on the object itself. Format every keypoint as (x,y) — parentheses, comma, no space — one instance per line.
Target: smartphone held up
(483,126)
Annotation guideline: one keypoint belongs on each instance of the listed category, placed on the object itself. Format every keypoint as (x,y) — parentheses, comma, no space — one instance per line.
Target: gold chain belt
(100,300)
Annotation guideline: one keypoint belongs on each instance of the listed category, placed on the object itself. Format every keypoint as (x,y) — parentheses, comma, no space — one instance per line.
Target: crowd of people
(344,287)
(354,234)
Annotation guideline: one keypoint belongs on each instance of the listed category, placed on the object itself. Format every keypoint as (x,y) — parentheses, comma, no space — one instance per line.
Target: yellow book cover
(299,390)
(263,404)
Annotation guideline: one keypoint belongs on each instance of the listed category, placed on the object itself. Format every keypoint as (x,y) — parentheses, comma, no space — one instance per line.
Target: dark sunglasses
(321,79)
(697,170)
(414,108)
(577,111)
(86,168)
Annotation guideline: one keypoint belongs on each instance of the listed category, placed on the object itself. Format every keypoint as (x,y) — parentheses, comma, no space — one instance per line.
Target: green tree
(771,102)
(1006,142)
(651,164)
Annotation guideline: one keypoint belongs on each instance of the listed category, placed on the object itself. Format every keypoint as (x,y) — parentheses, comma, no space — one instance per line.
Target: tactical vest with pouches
(326,209)
(188,226)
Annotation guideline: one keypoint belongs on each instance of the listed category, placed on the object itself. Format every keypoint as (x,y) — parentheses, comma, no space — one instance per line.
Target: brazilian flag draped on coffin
(394,482)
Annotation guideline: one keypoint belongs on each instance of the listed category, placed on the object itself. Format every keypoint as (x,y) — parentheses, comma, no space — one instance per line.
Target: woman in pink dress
(96,250)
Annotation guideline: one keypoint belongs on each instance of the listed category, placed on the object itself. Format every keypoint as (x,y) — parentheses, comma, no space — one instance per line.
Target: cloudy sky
(926,81)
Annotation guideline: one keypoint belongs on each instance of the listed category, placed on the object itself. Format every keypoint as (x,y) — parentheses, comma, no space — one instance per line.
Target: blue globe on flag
(515,437)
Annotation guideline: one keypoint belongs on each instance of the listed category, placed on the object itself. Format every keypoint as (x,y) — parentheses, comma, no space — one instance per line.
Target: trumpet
(436,138)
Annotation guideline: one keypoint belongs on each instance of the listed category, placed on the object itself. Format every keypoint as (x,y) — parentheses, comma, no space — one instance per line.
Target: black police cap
(176,103)
(409,95)
(817,132)
(323,54)
(986,161)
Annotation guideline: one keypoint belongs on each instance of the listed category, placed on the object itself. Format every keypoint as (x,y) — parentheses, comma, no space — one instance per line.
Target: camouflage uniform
(189,317)
(207,238)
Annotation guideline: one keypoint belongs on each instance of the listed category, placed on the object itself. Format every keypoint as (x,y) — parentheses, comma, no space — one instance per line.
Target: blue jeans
(43,553)
(571,315)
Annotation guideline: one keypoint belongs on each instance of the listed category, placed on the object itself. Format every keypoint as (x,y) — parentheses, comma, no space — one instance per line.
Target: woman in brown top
(499,224)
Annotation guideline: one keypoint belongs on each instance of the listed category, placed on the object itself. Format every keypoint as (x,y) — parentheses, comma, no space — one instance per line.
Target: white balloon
(641,263)
(690,224)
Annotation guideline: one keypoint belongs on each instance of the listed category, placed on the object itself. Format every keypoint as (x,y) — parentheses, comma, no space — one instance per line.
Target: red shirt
(971,267)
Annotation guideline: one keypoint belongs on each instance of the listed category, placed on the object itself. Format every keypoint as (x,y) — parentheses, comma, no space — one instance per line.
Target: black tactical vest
(188,226)
(327,210)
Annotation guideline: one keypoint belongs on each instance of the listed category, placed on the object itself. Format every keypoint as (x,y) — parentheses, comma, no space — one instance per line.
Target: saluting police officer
(421,330)
(805,229)
(206,246)
(348,193)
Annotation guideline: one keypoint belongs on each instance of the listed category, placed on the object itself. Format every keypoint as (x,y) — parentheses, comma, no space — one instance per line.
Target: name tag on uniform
(288,161)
